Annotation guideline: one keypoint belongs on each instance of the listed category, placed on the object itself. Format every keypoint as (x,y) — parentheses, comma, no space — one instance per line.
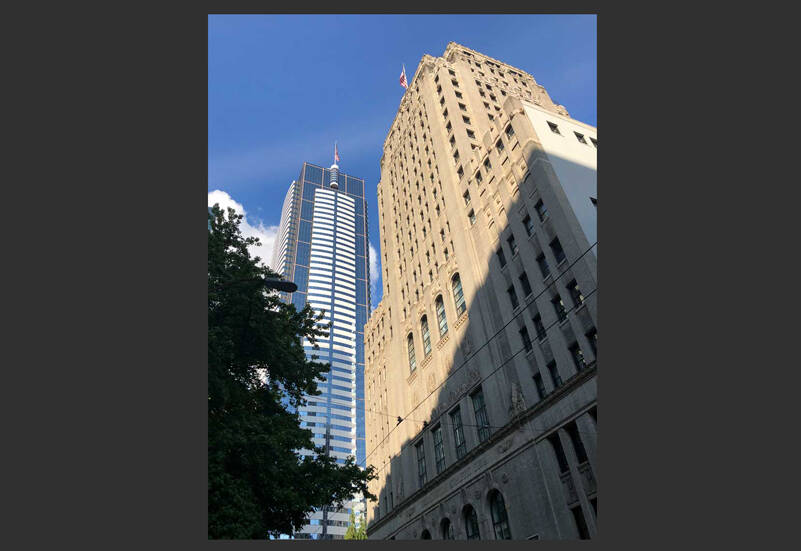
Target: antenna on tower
(335,169)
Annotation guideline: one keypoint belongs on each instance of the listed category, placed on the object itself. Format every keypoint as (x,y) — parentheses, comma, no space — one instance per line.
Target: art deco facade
(481,356)
(322,246)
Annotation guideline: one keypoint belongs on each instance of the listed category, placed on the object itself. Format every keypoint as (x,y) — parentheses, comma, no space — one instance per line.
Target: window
(445,112)
(594,142)
(466,197)
(554,128)
(526,339)
(529,225)
(558,253)
(470,133)
(575,293)
(540,328)
(426,535)
(487,164)
(466,119)
(541,392)
(447,529)
(421,463)
(512,244)
(509,131)
(458,433)
(542,212)
(543,264)
(479,178)
(410,346)
(450,71)
(448,127)
(462,107)
(580,137)
(581,526)
(572,431)
(439,449)
(592,336)
(512,297)
(455,83)
(460,171)
(458,94)
(501,257)
(452,141)
(471,216)
(471,523)
(525,284)
(458,295)
(426,336)
(441,319)
(578,356)
(500,521)
(554,372)
(482,420)
(561,458)
(559,308)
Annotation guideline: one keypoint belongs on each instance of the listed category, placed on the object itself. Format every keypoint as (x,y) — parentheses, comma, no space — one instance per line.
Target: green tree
(356,531)
(258,372)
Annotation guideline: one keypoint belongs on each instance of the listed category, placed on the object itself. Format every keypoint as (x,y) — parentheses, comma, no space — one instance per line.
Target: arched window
(471,523)
(500,521)
(426,336)
(458,296)
(447,529)
(412,358)
(441,319)
(426,535)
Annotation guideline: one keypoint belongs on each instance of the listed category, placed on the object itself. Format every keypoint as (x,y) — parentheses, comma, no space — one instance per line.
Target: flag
(336,153)
(403,78)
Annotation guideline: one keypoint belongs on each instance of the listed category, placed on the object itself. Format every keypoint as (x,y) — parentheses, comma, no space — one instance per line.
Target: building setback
(481,356)
(322,246)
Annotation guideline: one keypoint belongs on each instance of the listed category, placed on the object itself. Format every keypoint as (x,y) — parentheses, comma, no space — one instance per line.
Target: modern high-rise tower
(481,356)
(322,246)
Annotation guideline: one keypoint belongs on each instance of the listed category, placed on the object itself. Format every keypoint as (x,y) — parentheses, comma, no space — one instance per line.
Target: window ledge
(562,264)
(564,321)
(443,340)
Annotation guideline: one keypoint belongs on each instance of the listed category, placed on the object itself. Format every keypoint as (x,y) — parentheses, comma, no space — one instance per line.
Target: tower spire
(335,169)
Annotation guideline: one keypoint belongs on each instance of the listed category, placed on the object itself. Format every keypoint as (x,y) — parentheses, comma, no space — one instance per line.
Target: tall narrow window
(554,372)
(447,529)
(421,463)
(466,197)
(529,225)
(471,216)
(500,520)
(509,130)
(426,336)
(512,296)
(526,339)
(412,358)
(458,295)
(542,212)
(558,253)
(441,318)
(592,336)
(580,137)
(578,356)
(471,523)
(561,458)
(501,257)
(439,449)
(525,284)
(575,293)
(559,308)
(458,433)
(578,446)
(543,264)
(554,128)
(512,244)
(540,386)
(480,409)
(581,525)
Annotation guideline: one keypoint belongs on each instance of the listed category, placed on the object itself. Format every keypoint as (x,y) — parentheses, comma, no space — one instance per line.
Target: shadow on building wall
(504,404)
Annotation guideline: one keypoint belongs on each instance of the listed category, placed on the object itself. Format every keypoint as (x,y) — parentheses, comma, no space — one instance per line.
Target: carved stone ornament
(505,445)
(504,478)
(518,403)
(476,493)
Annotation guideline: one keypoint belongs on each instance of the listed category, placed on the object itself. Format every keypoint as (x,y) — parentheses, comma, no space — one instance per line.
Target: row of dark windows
(442,321)
(500,521)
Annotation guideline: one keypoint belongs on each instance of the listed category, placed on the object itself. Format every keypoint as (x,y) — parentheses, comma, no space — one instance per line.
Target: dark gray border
(115,443)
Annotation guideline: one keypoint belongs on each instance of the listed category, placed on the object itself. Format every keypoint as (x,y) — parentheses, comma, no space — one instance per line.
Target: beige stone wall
(448,137)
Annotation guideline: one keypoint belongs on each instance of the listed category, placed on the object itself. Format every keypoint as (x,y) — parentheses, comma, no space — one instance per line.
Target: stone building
(481,367)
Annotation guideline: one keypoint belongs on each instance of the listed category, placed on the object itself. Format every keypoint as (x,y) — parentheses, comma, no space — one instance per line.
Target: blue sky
(282,88)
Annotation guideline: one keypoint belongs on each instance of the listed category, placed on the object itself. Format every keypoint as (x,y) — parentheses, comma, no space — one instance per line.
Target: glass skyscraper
(322,246)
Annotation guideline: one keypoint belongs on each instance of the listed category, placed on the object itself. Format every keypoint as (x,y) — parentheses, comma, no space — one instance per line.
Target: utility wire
(481,381)
(523,309)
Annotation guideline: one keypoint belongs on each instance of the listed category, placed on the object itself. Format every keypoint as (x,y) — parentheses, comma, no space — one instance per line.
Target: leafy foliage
(356,531)
(258,372)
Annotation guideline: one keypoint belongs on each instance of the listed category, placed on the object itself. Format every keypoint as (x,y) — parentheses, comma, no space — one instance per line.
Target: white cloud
(375,273)
(266,234)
